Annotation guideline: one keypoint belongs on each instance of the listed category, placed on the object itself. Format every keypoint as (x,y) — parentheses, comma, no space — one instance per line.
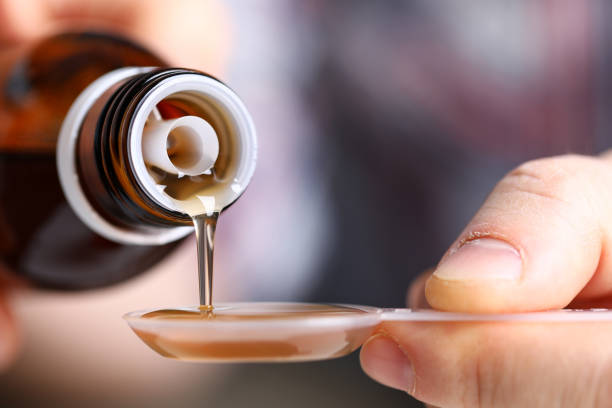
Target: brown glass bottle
(43,236)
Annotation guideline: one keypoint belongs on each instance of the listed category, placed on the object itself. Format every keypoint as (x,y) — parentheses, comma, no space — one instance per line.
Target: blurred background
(382,126)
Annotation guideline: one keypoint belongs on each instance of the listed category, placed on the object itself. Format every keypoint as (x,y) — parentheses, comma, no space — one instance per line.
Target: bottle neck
(105,160)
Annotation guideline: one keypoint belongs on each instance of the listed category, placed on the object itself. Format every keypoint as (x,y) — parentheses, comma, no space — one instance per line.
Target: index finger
(541,239)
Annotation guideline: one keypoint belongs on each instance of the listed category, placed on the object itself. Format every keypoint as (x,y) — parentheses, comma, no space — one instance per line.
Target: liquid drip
(235,332)
(255,331)
(200,196)
(205,226)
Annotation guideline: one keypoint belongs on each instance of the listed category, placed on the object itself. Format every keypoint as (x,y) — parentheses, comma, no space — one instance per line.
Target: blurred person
(76,350)
(418,108)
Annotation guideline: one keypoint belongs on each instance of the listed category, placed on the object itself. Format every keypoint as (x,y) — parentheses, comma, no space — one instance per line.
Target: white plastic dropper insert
(184,146)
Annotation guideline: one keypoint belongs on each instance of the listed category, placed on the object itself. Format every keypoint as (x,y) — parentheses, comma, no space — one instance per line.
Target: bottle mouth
(192,144)
(187,146)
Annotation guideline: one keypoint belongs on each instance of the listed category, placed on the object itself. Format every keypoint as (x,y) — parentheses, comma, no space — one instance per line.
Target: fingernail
(484,258)
(384,361)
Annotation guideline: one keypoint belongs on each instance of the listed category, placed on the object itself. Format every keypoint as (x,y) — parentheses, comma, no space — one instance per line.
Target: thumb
(541,239)
(495,364)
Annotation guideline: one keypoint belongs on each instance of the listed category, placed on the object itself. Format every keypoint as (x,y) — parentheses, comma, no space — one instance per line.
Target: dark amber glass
(41,239)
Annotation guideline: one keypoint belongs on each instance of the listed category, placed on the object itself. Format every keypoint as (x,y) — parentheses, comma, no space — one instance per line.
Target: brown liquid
(256,332)
(47,244)
(264,311)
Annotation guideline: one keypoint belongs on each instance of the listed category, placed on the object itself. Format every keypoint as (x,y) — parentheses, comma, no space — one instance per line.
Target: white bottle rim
(69,178)
(207,87)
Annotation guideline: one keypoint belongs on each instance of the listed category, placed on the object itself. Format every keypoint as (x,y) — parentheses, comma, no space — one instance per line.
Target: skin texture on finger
(540,239)
(496,364)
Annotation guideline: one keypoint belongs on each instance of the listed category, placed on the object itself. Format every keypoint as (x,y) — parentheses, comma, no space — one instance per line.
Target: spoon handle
(563,315)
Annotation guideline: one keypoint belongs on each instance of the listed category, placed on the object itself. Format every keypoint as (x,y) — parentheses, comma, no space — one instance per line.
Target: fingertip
(415,296)
(473,297)
(481,259)
(479,276)
(385,362)
(539,240)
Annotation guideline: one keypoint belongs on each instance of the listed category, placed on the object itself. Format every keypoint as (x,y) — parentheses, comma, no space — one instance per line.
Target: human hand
(542,240)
